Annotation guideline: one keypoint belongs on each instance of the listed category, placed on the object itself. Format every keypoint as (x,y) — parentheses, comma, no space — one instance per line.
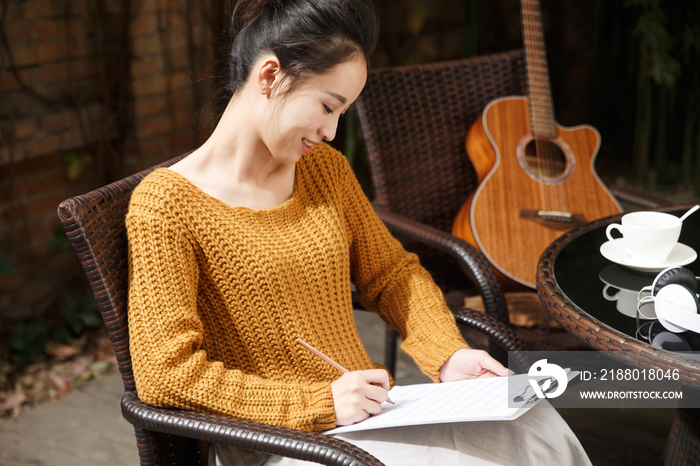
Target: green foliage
(645,90)
(352,134)
(656,43)
(421,48)
(471,28)
(416,19)
(690,42)
(77,164)
(59,241)
(27,340)
(7,266)
(78,312)
(81,313)
(667,117)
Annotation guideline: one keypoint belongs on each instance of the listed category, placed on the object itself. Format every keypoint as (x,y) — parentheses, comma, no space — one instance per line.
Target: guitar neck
(539,91)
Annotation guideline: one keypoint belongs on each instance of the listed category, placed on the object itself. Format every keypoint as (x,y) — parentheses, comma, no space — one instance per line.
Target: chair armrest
(639,198)
(496,330)
(473,262)
(249,435)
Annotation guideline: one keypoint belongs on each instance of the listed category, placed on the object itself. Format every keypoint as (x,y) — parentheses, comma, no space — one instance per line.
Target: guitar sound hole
(545,158)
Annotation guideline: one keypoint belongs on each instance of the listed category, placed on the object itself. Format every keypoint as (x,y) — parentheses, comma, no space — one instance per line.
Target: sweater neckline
(285,205)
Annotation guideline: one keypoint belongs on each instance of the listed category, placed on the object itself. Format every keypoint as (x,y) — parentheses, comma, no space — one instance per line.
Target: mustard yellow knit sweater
(219,294)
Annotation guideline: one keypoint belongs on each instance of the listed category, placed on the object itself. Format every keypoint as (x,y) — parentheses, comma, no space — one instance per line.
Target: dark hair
(308,37)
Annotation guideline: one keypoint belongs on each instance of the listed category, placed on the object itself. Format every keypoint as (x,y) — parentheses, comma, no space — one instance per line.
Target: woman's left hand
(471,364)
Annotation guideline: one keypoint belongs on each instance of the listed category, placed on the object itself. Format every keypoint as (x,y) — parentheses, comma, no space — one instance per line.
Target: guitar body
(499,219)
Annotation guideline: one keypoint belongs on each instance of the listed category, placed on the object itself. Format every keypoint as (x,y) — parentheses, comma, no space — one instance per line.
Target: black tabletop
(608,292)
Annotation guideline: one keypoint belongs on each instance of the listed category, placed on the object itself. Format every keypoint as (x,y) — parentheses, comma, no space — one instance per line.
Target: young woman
(253,240)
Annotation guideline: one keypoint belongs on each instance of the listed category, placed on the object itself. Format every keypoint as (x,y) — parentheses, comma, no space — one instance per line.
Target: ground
(67,366)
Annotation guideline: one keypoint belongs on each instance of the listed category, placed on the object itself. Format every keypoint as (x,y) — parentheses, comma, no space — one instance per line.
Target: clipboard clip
(533,398)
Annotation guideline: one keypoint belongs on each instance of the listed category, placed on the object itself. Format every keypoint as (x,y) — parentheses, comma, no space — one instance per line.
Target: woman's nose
(328,131)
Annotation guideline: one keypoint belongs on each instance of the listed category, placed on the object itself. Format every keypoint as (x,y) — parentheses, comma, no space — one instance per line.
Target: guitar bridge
(554,219)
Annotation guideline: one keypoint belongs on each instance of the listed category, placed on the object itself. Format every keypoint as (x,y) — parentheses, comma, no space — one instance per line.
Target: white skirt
(539,437)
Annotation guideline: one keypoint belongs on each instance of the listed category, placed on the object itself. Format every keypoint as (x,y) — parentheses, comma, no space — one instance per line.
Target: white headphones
(674,294)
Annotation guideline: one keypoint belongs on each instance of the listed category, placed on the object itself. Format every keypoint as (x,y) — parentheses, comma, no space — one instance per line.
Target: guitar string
(534,109)
(545,151)
(560,194)
(529,46)
(543,132)
(541,145)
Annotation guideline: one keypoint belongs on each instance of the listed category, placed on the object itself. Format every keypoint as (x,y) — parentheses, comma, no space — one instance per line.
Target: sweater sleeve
(391,282)
(171,368)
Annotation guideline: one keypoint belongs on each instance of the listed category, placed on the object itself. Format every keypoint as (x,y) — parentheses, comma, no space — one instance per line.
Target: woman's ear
(268,74)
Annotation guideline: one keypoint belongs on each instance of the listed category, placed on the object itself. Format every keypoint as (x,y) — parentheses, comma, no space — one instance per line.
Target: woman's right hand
(359,394)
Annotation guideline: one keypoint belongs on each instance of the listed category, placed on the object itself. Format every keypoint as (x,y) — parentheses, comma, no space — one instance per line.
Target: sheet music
(435,403)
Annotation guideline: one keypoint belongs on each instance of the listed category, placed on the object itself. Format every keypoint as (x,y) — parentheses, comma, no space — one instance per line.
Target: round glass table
(595,300)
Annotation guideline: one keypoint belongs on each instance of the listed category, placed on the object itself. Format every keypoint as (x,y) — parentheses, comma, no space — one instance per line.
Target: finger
(493,366)
(371,407)
(377,377)
(376,393)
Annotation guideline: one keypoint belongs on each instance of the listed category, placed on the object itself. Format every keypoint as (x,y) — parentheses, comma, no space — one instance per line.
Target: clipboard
(463,401)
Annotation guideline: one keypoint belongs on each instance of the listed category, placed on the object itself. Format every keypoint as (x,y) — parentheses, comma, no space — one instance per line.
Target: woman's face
(310,113)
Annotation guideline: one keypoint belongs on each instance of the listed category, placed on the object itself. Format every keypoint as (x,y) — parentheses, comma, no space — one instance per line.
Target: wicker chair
(414,120)
(94,223)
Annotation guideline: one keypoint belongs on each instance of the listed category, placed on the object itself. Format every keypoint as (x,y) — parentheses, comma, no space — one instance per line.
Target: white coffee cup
(648,237)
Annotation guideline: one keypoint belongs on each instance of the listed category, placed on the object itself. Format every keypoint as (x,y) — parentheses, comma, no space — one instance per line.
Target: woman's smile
(307,145)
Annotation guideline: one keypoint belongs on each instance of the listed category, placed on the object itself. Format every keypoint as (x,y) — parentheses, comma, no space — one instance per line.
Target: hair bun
(307,36)
(247,11)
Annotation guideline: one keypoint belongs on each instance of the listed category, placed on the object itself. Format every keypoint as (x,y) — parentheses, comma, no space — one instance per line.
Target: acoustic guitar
(536,178)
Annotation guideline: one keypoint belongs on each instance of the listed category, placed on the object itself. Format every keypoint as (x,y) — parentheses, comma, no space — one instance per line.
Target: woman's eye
(327,109)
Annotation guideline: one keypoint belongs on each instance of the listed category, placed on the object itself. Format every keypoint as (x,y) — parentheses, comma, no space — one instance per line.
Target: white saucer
(680,255)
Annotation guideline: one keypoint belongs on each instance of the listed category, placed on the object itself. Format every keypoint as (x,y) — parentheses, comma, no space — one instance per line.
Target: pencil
(328,360)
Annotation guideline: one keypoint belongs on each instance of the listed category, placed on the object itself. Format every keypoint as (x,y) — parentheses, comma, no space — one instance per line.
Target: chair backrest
(94,223)
(415,119)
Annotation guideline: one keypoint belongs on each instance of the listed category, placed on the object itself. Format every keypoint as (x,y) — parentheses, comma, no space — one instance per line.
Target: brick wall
(62,98)
(125,84)
(170,69)
(52,58)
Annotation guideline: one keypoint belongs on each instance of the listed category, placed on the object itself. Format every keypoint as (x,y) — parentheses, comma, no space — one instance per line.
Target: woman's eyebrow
(340,98)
